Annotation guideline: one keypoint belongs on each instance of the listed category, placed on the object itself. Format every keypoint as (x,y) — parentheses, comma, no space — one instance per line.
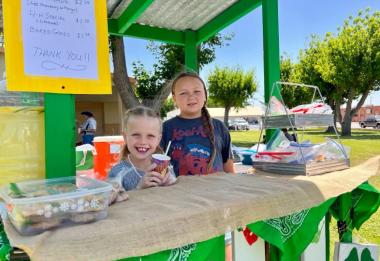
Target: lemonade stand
(70,56)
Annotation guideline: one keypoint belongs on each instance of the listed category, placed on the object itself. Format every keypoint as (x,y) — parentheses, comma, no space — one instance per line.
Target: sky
(298,20)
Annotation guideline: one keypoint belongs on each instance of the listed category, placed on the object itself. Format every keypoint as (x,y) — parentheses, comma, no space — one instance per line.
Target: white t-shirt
(89,124)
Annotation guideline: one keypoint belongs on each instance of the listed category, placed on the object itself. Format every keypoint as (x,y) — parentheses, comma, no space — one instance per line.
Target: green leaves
(353,54)
(170,61)
(231,87)
(345,65)
(294,73)
(149,85)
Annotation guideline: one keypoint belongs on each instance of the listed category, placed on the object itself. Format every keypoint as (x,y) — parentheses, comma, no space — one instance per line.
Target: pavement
(355,125)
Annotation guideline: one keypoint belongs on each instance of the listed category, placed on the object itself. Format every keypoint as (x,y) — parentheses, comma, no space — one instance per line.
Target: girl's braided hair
(140,111)
(206,118)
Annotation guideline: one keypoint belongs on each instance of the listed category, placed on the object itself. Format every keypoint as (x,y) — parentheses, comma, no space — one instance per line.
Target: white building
(251,113)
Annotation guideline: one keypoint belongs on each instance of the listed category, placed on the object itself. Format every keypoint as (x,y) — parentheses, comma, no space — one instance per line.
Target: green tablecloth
(291,234)
(210,250)
(365,202)
(4,244)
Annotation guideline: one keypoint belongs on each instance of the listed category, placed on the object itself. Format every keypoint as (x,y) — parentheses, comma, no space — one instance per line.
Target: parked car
(371,121)
(238,124)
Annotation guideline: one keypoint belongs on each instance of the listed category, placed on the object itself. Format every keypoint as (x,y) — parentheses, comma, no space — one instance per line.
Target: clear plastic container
(36,206)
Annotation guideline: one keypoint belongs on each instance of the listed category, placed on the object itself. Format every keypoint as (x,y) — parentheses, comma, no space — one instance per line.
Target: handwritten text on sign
(59,38)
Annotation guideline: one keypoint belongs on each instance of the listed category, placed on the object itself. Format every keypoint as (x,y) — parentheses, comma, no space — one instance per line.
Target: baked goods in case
(37,206)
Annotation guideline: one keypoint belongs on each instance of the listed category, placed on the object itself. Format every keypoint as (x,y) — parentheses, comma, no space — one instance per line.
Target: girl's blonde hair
(140,111)
(207,121)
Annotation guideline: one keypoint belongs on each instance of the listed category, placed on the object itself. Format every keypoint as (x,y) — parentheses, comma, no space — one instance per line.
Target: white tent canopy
(250,112)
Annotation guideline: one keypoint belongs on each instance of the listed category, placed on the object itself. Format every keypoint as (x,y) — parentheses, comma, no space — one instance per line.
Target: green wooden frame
(59,109)
(125,27)
(229,16)
(59,135)
(132,13)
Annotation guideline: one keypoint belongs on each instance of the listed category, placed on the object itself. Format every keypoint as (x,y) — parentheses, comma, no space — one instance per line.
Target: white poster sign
(355,252)
(59,38)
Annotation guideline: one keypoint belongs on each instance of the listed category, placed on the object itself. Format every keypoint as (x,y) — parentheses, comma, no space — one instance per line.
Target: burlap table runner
(195,209)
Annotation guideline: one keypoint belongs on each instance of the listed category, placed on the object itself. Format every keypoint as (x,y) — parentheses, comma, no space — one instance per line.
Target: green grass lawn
(364,144)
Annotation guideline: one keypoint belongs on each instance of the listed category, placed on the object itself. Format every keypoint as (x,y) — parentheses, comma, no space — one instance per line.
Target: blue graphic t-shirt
(190,150)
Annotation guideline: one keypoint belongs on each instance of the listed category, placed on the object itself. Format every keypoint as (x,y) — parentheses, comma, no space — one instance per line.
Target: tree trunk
(346,127)
(120,74)
(360,103)
(346,124)
(226,113)
(162,96)
(148,103)
(330,129)
(338,113)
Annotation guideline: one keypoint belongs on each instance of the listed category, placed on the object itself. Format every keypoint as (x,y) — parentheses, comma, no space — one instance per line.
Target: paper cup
(162,161)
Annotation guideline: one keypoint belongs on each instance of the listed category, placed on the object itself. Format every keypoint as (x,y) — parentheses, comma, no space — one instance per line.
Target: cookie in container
(39,205)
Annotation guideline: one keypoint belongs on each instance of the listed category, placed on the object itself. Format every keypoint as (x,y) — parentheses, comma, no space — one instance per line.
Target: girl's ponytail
(209,127)
(124,153)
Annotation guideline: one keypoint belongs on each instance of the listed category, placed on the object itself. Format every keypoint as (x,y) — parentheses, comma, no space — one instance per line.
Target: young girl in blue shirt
(199,144)
(142,138)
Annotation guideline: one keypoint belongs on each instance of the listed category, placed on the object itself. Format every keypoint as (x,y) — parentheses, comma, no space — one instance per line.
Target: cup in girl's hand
(162,161)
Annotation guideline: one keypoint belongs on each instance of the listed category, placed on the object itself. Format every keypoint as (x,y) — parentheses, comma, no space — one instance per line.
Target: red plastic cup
(162,161)
(107,154)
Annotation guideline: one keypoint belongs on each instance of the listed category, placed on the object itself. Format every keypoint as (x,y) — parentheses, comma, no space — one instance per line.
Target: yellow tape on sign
(22,153)
(57,47)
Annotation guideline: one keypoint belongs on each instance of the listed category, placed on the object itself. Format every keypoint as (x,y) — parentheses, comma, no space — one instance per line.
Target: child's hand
(169,178)
(151,178)
(165,178)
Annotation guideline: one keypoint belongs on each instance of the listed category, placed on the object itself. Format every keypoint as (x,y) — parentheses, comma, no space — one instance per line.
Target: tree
(211,103)
(168,106)
(307,71)
(153,88)
(120,74)
(345,66)
(352,62)
(231,87)
(149,86)
(292,95)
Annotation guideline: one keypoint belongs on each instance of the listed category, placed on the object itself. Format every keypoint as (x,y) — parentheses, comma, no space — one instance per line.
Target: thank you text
(59,38)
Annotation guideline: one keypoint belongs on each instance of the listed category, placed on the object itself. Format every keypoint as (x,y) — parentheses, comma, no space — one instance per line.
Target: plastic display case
(36,206)
(294,122)
(299,120)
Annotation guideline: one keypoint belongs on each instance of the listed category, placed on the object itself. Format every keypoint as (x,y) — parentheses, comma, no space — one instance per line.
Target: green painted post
(271,50)
(327,235)
(271,46)
(191,51)
(59,135)
(271,65)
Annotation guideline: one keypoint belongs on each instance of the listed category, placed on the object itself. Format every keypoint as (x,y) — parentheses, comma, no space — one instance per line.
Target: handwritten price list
(59,38)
